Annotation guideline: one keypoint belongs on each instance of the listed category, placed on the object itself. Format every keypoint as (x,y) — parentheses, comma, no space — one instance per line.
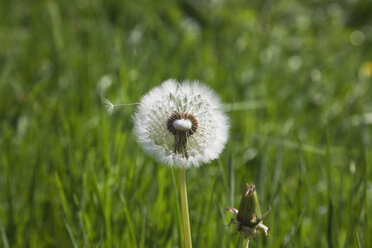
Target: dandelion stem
(185,209)
(245,243)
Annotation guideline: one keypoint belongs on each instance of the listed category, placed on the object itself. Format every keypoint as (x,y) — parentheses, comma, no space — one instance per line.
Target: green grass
(73,176)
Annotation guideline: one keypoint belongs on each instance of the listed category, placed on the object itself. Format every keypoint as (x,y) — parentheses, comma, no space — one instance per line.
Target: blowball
(181,124)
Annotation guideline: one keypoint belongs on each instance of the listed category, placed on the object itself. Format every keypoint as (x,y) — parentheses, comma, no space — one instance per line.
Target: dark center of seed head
(182,126)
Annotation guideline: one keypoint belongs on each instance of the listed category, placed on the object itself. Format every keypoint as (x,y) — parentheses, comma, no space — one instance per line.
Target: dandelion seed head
(181,124)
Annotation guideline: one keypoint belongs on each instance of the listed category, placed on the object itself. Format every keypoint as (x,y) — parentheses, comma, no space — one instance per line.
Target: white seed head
(181,124)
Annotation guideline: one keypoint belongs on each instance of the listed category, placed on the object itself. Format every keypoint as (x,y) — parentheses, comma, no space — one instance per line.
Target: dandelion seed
(110,107)
(181,124)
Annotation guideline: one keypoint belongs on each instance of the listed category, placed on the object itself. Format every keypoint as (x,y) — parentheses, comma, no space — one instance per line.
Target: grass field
(296,80)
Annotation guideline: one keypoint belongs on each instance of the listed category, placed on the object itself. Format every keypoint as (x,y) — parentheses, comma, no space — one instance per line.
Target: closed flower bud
(249,220)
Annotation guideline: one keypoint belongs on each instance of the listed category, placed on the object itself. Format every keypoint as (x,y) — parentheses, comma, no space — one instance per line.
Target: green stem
(245,243)
(185,209)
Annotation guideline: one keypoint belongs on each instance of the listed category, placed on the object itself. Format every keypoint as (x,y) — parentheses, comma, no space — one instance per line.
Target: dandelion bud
(249,219)
(249,209)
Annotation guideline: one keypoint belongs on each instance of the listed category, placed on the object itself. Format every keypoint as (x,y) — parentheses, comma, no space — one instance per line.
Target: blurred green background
(296,80)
